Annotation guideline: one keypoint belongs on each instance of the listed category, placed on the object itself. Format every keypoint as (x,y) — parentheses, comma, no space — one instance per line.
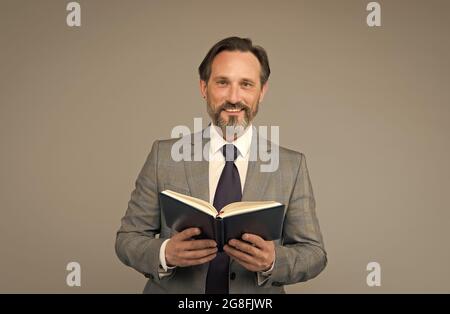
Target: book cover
(261,218)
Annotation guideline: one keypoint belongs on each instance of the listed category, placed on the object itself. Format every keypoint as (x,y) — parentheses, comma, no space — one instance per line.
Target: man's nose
(234,94)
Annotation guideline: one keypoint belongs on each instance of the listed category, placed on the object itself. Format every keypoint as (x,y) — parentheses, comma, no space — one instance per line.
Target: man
(233,81)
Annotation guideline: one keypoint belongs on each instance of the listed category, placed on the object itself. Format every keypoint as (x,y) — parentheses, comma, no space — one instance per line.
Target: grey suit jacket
(300,254)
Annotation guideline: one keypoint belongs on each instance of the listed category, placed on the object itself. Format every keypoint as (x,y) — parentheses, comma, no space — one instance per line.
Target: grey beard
(233,126)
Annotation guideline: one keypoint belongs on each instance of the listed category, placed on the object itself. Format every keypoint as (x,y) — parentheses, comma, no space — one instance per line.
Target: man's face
(234,89)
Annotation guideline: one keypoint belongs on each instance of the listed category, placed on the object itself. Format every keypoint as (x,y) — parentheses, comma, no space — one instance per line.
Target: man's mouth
(233,110)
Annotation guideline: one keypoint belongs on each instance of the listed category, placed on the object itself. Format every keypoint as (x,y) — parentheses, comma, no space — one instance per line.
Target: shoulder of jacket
(290,154)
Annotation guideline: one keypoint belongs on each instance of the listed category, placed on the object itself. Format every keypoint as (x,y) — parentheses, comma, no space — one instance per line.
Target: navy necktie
(228,191)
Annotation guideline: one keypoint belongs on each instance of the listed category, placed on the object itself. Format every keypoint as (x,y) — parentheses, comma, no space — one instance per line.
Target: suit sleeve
(136,244)
(301,255)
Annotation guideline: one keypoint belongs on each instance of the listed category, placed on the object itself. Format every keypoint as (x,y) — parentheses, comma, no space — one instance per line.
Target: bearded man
(233,81)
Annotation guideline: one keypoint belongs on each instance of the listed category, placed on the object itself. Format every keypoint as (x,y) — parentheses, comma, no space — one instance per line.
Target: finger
(197,254)
(187,233)
(245,247)
(245,260)
(254,239)
(203,260)
(199,244)
(246,265)
(240,255)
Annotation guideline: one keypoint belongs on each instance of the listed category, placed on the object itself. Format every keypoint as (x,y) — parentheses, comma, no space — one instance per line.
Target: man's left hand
(254,253)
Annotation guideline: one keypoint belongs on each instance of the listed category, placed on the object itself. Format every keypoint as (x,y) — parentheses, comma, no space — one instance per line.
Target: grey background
(80,107)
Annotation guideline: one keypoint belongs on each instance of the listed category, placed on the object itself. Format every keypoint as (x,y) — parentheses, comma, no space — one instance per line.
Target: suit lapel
(255,181)
(197,172)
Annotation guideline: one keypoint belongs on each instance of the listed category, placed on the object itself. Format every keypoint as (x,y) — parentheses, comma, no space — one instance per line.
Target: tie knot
(230,152)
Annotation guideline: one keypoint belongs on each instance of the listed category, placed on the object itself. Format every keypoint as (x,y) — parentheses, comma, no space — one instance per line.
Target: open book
(261,218)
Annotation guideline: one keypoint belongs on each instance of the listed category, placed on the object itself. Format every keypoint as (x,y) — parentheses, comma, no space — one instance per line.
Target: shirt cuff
(164,270)
(263,276)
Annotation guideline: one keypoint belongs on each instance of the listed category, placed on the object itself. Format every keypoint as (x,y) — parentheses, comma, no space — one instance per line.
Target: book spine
(218,230)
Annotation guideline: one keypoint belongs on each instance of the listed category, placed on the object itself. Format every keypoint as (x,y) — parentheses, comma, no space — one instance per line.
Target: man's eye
(221,82)
(247,84)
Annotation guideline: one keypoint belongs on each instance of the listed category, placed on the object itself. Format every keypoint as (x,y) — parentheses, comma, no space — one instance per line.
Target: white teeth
(232,110)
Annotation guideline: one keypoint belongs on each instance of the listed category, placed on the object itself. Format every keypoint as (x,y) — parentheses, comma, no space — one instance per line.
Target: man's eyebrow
(244,80)
(247,80)
(220,78)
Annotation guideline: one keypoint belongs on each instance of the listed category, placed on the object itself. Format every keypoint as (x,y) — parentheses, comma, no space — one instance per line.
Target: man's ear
(203,87)
(263,91)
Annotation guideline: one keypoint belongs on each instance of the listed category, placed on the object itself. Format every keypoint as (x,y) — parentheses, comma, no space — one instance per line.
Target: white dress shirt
(216,165)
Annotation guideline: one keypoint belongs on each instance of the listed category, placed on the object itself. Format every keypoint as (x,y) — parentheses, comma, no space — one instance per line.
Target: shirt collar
(242,143)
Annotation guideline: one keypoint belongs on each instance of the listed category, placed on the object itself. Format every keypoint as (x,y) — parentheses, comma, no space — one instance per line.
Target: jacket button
(233,276)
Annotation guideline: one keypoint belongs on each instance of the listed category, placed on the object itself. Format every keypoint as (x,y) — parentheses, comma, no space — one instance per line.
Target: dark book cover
(267,222)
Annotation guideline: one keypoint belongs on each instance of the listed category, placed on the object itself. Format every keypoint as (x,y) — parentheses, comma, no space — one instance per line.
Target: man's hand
(182,250)
(254,253)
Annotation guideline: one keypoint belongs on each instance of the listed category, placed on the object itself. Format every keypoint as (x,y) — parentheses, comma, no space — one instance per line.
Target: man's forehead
(234,62)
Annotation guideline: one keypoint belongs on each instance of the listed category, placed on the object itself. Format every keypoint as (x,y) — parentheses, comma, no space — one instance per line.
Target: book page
(193,202)
(238,208)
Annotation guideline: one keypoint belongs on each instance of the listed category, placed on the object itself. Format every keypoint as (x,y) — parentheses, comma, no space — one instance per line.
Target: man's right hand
(182,250)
